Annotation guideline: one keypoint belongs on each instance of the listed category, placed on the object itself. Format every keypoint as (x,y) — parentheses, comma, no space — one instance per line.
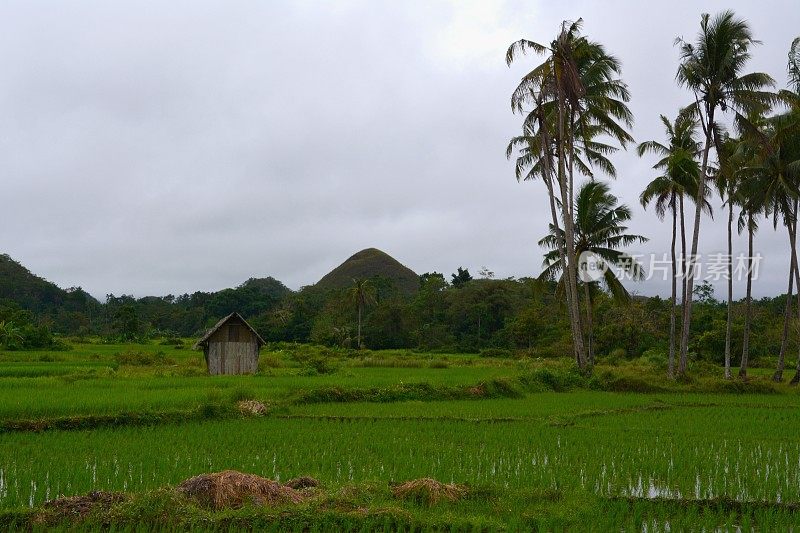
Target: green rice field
(534,457)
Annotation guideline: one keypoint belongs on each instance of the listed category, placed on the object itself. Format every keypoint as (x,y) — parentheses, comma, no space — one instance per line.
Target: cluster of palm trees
(678,179)
(574,100)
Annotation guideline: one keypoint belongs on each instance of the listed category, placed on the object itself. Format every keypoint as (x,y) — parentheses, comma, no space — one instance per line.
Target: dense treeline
(738,134)
(508,316)
(522,317)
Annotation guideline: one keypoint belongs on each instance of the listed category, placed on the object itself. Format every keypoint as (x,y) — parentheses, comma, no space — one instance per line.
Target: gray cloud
(153,148)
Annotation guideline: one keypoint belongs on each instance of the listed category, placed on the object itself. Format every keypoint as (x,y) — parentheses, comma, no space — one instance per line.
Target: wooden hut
(231,346)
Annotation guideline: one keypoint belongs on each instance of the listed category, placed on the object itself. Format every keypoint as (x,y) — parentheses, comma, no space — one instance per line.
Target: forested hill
(36,294)
(27,299)
(371,263)
(75,312)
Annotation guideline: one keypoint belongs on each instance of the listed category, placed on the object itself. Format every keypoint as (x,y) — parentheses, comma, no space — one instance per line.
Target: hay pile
(252,408)
(428,491)
(302,482)
(232,489)
(478,390)
(80,506)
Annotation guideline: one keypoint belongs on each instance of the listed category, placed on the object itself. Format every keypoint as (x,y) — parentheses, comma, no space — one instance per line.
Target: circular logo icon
(590,267)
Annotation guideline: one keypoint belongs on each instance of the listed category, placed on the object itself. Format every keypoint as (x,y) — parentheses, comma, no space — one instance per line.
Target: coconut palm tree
(751,201)
(773,174)
(363,294)
(712,69)
(576,96)
(787,310)
(556,79)
(776,161)
(727,179)
(680,176)
(600,232)
(773,145)
(789,138)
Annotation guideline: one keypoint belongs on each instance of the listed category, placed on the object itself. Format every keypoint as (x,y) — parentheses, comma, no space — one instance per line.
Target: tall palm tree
(752,204)
(789,140)
(711,68)
(787,310)
(680,176)
(727,180)
(600,230)
(363,294)
(576,97)
(537,154)
(776,147)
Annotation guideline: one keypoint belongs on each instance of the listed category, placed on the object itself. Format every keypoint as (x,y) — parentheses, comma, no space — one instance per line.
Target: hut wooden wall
(232,351)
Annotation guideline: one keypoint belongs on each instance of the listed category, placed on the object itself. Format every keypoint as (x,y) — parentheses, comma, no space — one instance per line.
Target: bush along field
(114,436)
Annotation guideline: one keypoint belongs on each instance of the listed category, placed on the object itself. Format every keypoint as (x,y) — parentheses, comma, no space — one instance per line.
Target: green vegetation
(477,404)
(370,264)
(502,317)
(527,443)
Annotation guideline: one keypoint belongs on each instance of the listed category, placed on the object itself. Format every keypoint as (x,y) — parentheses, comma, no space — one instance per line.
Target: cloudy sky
(156,147)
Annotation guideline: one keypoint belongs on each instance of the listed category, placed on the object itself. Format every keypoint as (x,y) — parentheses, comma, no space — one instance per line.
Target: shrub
(655,357)
(240,394)
(503,388)
(555,379)
(743,387)
(215,406)
(618,381)
(618,353)
(137,358)
(495,352)
(317,365)
(269,361)
(172,341)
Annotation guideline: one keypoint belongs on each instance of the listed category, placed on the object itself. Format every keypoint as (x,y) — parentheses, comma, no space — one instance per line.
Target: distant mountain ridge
(367,264)
(35,293)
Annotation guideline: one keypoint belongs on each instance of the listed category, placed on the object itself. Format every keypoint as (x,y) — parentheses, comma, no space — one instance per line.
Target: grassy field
(533,445)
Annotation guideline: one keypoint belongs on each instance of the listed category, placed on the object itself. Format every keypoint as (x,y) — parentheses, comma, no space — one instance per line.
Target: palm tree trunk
(671,367)
(787,316)
(589,323)
(563,257)
(572,167)
(562,252)
(793,229)
(358,337)
(683,255)
(748,300)
(569,238)
(729,322)
(692,259)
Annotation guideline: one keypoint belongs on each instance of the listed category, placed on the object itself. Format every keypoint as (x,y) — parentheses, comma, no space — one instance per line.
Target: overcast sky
(160,147)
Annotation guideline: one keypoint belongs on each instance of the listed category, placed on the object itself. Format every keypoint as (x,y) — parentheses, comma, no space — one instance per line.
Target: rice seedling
(525,460)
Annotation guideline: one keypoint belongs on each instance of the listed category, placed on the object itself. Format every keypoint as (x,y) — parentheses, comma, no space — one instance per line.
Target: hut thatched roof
(204,339)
